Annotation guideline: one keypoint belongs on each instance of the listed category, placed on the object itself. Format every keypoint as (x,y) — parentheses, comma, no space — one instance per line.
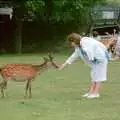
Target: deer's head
(49,61)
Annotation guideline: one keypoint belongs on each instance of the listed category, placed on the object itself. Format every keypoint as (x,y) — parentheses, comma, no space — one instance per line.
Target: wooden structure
(6,8)
(104,18)
(7,11)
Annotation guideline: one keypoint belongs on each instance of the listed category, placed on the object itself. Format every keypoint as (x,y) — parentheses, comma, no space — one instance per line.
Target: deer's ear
(45,59)
(50,56)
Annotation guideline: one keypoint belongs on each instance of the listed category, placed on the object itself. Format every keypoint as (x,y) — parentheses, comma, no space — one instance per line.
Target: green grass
(57,94)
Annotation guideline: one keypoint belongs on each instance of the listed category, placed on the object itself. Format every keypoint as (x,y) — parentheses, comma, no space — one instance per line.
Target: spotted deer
(24,72)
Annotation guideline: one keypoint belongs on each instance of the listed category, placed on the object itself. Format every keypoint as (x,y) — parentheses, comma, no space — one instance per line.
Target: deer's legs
(30,92)
(28,87)
(2,89)
(3,85)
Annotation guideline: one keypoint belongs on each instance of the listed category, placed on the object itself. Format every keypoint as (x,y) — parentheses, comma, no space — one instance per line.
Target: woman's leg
(96,88)
(98,74)
(92,87)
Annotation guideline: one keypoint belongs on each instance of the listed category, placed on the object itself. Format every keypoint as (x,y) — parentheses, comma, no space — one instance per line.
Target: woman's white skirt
(99,72)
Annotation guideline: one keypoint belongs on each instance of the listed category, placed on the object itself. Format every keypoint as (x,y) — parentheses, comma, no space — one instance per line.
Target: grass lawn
(57,94)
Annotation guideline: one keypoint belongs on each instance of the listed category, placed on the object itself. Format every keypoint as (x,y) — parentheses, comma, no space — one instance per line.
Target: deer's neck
(41,67)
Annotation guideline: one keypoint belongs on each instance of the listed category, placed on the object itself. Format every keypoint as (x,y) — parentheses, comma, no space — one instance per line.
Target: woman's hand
(62,66)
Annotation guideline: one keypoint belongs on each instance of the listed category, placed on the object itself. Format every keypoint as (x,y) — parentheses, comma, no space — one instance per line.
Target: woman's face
(72,44)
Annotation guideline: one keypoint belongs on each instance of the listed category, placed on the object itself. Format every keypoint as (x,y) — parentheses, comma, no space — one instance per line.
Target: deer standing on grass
(23,72)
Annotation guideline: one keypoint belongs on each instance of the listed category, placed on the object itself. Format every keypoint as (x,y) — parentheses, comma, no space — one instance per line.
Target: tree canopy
(53,11)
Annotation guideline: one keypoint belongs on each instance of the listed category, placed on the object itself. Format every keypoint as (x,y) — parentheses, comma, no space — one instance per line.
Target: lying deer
(23,72)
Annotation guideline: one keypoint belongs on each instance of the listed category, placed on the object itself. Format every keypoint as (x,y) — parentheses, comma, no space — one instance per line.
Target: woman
(95,55)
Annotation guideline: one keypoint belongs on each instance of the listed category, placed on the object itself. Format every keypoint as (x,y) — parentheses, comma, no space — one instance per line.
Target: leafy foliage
(55,19)
(54,11)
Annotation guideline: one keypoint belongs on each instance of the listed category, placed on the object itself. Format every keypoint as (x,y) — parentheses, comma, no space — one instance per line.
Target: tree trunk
(19,38)
(48,9)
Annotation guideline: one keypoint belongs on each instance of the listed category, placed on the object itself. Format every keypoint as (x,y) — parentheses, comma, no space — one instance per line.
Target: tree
(50,12)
